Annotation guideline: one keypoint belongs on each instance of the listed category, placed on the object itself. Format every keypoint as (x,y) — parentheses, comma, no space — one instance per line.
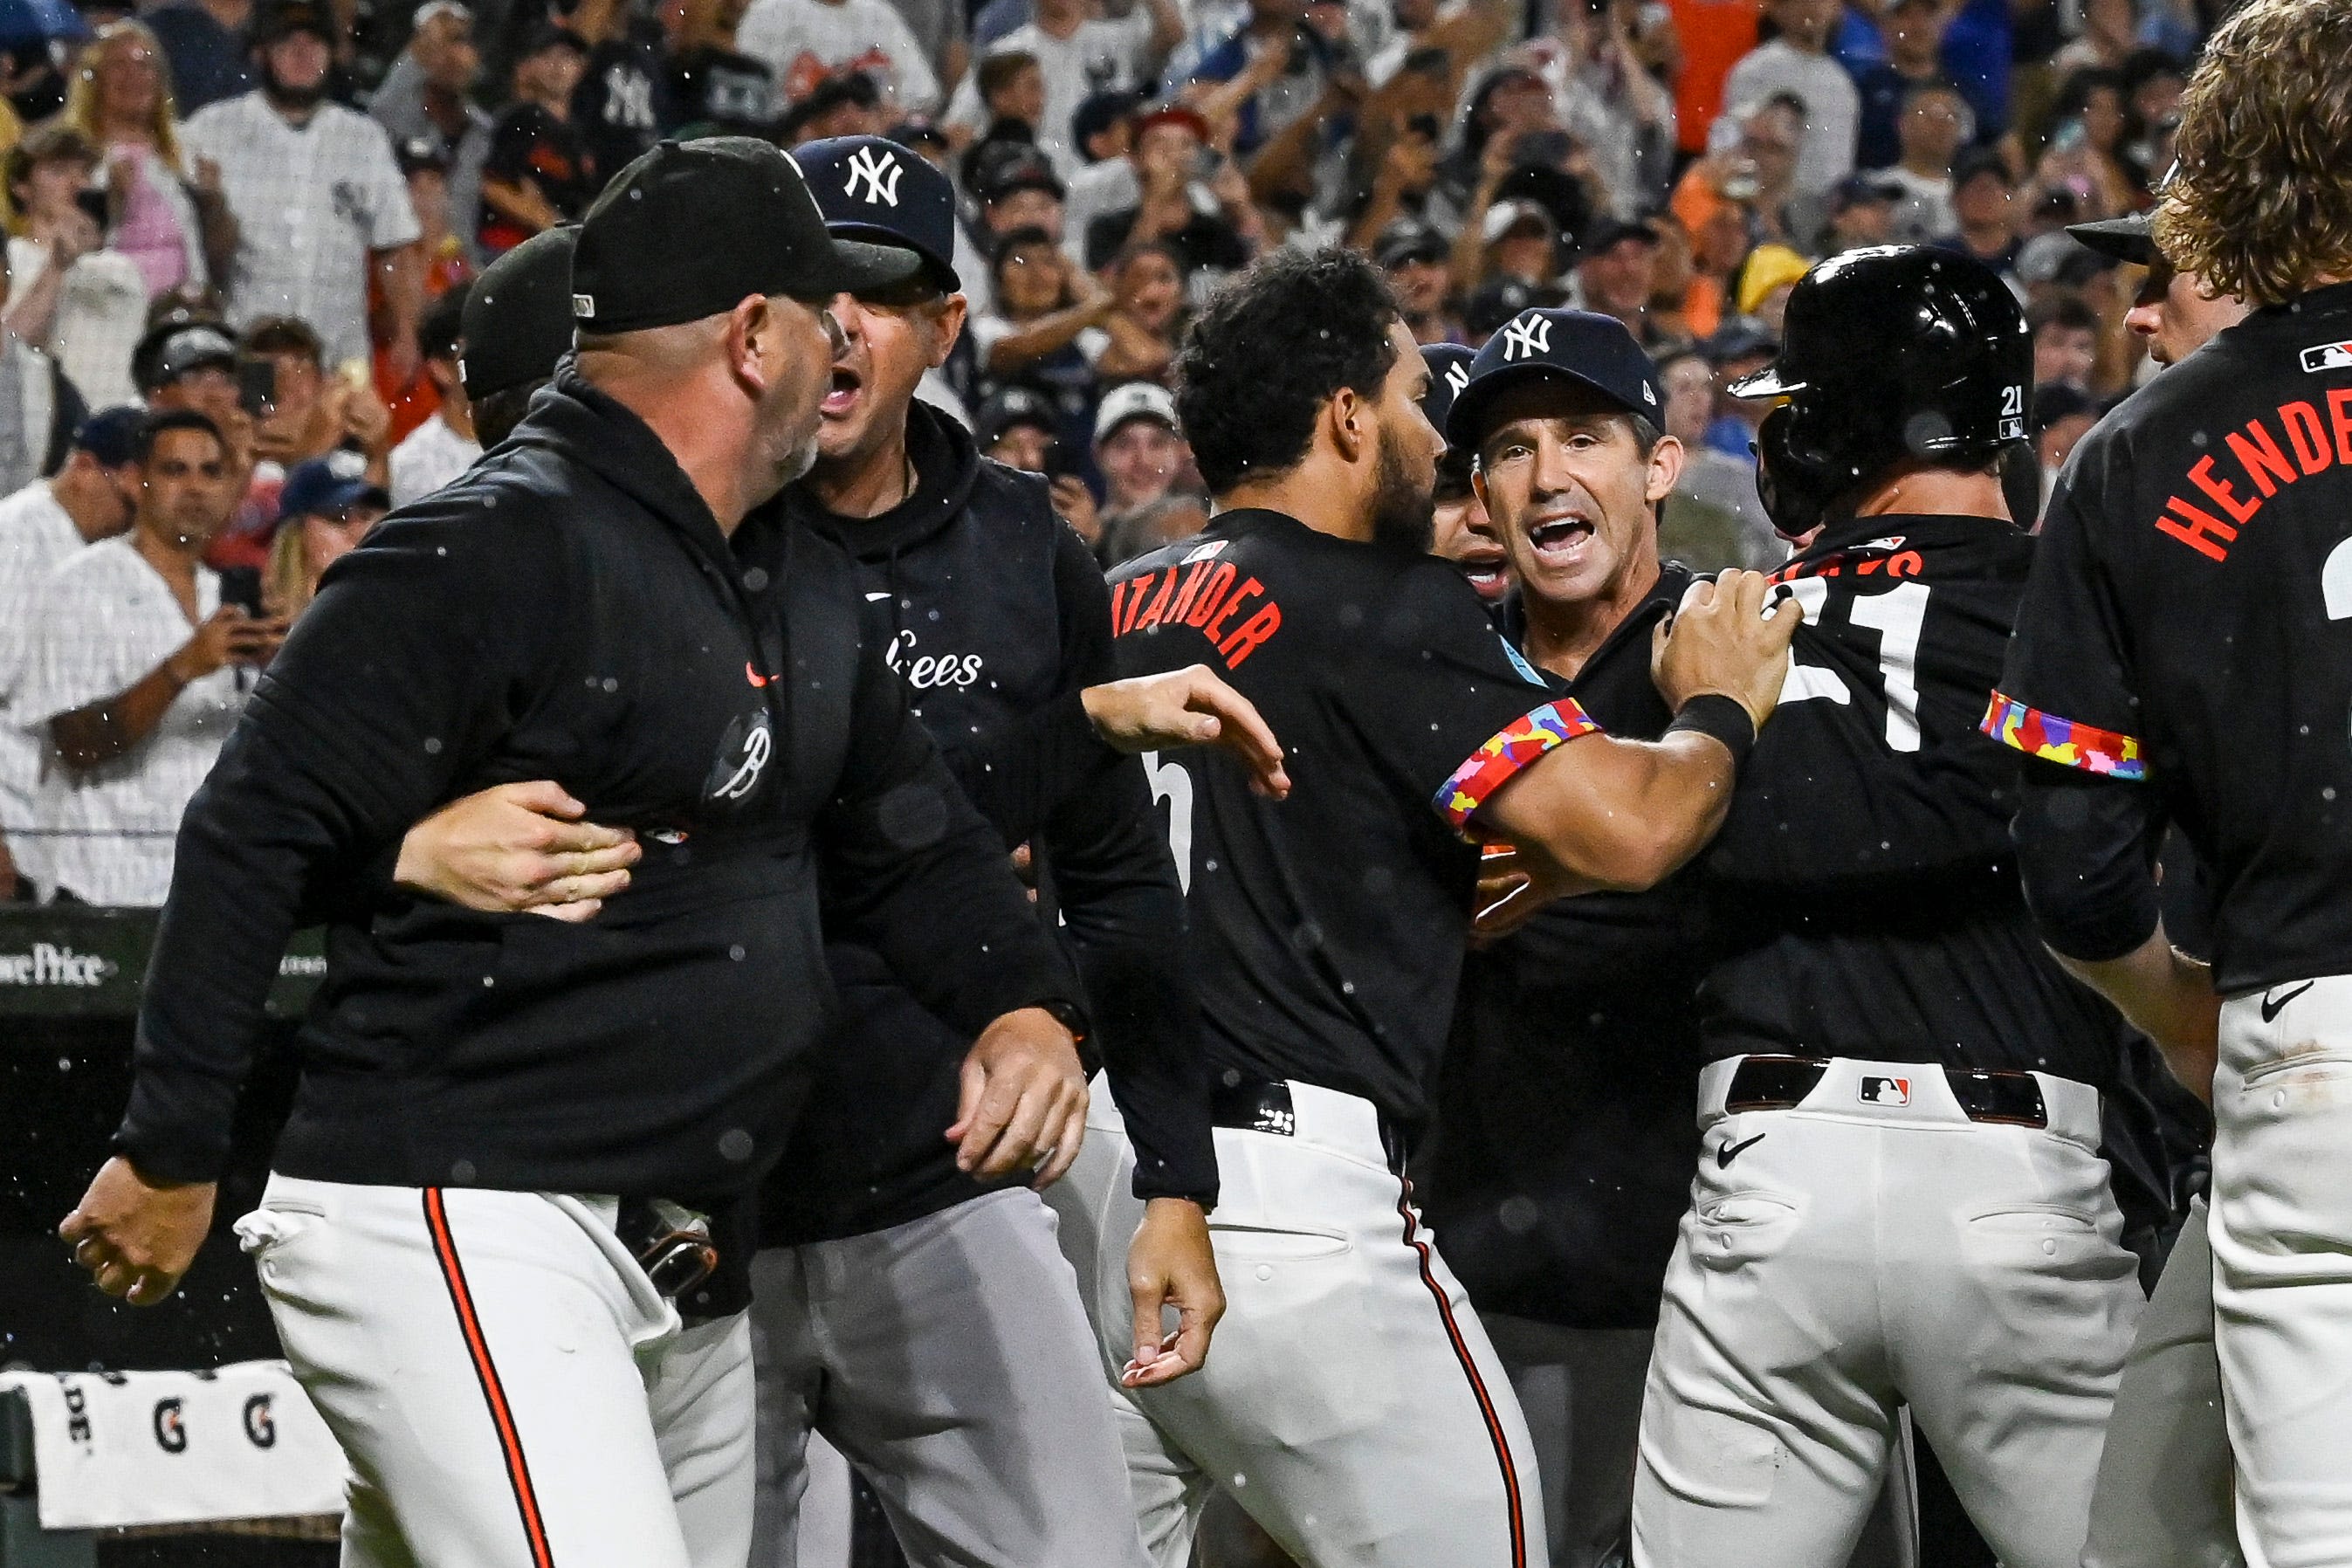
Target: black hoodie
(992,612)
(568,610)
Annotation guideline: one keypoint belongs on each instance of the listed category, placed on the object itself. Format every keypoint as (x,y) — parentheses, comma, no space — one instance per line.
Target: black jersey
(1863,891)
(1561,1164)
(1328,929)
(2189,628)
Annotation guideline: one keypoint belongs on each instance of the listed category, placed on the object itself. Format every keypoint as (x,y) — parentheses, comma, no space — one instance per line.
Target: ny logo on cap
(1457,376)
(1526,337)
(879,171)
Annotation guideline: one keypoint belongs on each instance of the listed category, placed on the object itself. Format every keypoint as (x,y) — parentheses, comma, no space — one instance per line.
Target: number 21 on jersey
(1896,614)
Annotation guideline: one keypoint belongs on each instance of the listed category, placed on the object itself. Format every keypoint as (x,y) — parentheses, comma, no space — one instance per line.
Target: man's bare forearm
(2167,995)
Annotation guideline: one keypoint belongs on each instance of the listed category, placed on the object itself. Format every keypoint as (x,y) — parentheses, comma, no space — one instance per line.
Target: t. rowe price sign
(70,962)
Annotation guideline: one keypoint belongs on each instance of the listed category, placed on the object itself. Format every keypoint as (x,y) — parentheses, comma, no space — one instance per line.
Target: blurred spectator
(1936,123)
(1018,190)
(2063,415)
(713,84)
(40,408)
(1710,37)
(1862,212)
(1012,86)
(136,667)
(326,508)
(1984,210)
(1798,63)
(1766,278)
(1749,180)
(1710,479)
(428,96)
(803,41)
(2086,154)
(1463,33)
(2065,342)
(1914,31)
(446,259)
(1103,131)
(313,411)
(1209,224)
(316,197)
(1518,238)
(1137,448)
(541,171)
(70,293)
(205,42)
(1622,116)
(622,104)
(1147,313)
(177,228)
(445,446)
(1269,67)
(1495,301)
(1419,264)
(40,526)
(1615,271)
(2108,33)
(1018,428)
(1079,53)
(1741,349)
(847,103)
(1051,320)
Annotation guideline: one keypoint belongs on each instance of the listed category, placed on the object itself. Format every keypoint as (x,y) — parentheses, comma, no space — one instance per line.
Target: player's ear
(1665,468)
(1349,420)
(948,326)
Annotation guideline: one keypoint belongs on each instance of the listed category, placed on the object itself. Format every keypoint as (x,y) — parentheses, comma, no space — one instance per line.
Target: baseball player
(516,1139)
(1900,1199)
(1460,528)
(2163,1494)
(911,1306)
(1354,1407)
(2178,660)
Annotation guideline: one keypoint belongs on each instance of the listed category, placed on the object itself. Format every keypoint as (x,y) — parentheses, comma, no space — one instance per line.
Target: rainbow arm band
(1505,752)
(2065,741)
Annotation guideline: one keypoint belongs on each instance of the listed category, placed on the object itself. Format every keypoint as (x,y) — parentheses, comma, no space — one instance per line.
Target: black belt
(1782,1083)
(1263,1105)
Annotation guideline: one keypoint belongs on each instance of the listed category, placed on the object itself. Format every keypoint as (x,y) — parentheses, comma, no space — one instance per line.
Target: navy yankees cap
(1449,373)
(110,434)
(1578,347)
(693,228)
(876,190)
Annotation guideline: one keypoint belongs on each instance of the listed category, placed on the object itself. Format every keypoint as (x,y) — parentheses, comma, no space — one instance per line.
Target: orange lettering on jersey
(1193,581)
(2305,434)
(1212,594)
(2339,420)
(1252,635)
(2198,529)
(2241,511)
(1215,630)
(1151,617)
(2260,456)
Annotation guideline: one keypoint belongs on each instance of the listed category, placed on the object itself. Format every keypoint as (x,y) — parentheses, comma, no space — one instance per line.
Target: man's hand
(1076,505)
(1023,1105)
(1722,642)
(254,640)
(135,1236)
(216,641)
(1188,707)
(515,847)
(1170,1263)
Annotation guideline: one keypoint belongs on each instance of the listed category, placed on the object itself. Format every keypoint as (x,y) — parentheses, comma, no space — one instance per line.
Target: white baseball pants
(511,1390)
(1847,1258)
(1351,1402)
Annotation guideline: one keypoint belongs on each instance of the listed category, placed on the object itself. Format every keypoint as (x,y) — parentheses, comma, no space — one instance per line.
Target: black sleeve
(1109,871)
(398,679)
(1016,771)
(511,142)
(2086,849)
(914,872)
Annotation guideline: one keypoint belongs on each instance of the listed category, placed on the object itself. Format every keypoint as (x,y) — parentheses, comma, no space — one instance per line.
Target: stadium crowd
(268,213)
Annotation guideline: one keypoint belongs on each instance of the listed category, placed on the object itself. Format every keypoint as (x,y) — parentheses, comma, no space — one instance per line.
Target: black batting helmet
(1894,354)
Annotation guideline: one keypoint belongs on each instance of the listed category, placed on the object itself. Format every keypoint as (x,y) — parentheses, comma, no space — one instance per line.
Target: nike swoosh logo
(2270,1008)
(1730,1151)
(875,598)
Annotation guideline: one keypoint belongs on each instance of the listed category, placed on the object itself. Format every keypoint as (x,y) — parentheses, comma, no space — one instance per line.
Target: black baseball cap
(1010,408)
(516,320)
(1449,373)
(1611,230)
(693,228)
(1494,301)
(1011,166)
(184,349)
(110,434)
(1578,347)
(2126,238)
(1410,239)
(882,192)
(287,18)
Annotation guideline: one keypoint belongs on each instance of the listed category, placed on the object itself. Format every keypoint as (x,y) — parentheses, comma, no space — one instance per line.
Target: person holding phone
(135,668)
(71,295)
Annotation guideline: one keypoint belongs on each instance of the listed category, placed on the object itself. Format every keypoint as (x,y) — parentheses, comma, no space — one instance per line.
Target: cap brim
(1767,382)
(855,266)
(2119,238)
(873,236)
(1463,420)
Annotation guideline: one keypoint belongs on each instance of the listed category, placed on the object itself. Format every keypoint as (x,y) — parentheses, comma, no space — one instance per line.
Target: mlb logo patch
(1886,1091)
(2327,356)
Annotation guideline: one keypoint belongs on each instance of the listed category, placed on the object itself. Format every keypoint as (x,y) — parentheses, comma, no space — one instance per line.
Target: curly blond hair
(2260,204)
